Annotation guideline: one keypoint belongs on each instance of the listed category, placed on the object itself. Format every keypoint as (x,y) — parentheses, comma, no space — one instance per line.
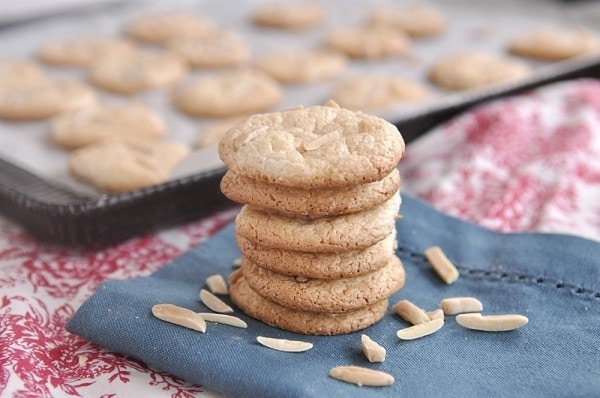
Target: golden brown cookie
(139,71)
(330,296)
(416,20)
(353,231)
(290,16)
(216,49)
(301,321)
(120,167)
(116,122)
(301,66)
(377,91)
(320,265)
(231,93)
(16,72)
(160,28)
(81,51)
(464,71)
(309,202)
(369,42)
(313,148)
(555,43)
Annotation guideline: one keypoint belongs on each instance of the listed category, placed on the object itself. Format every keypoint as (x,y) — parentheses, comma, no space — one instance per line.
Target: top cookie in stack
(318,231)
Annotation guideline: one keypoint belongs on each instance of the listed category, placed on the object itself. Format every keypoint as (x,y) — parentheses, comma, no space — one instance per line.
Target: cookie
(377,91)
(369,42)
(320,265)
(331,296)
(464,71)
(309,202)
(217,49)
(314,147)
(416,20)
(289,16)
(120,167)
(353,231)
(36,100)
(211,135)
(229,93)
(160,28)
(555,43)
(81,51)
(15,72)
(301,66)
(301,321)
(116,122)
(136,72)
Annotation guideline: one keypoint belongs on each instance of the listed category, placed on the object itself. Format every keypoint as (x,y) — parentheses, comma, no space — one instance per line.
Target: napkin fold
(554,280)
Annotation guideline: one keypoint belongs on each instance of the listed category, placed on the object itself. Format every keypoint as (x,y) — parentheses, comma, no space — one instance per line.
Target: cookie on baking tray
(334,265)
(81,51)
(161,27)
(319,295)
(377,91)
(36,100)
(555,43)
(119,167)
(313,147)
(463,71)
(212,134)
(369,42)
(301,321)
(211,50)
(15,72)
(309,202)
(416,20)
(353,231)
(302,66)
(229,93)
(114,122)
(289,16)
(136,72)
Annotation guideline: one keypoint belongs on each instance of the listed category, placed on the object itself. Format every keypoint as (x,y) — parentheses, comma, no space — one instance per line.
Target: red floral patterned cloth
(527,163)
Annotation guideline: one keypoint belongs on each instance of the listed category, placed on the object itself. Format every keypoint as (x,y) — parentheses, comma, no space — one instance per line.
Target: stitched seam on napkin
(503,276)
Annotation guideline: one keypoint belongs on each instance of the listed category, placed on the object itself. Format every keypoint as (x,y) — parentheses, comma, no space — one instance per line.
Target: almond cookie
(15,72)
(122,122)
(35,100)
(211,135)
(320,265)
(232,93)
(301,321)
(309,202)
(160,28)
(120,167)
(318,295)
(369,42)
(466,71)
(301,66)
(377,91)
(211,50)
(555,43)
(81,51)
(289,16)
(313,147)
(353,231)
(416,20)
(136,72)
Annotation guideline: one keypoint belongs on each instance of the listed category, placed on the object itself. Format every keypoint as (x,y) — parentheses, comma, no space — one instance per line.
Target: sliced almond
(492,323)
(421,330)
(301,279)
(213,302)
(373,351)
(321,141)
(237,262)
(441,264)
(410,312)
(224,319)
(216,284)
(284,345)
(435,314)
(362,376)
(179,316)
(458,305)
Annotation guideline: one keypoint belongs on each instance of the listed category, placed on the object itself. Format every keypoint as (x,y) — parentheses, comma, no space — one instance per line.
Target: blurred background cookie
(159,28)
(214,49)
(81,51)
(212,134)
(555,43)
(369,42)
(302,66)
(416,20)
(289,16)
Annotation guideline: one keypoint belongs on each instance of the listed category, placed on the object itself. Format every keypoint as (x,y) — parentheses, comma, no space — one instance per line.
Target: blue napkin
(554,280)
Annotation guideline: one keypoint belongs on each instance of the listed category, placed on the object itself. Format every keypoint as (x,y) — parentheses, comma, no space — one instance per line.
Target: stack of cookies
(317,233)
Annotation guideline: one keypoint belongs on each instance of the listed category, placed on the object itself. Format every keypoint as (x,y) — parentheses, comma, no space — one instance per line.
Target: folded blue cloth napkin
(554,280)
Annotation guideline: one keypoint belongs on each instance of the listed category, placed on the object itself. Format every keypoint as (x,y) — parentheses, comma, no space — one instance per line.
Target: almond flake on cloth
(494,164)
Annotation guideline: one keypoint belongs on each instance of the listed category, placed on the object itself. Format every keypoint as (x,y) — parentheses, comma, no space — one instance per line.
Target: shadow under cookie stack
(317,232)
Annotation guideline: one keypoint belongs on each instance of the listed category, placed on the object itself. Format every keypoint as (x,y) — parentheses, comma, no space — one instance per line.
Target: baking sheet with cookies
(470,26)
